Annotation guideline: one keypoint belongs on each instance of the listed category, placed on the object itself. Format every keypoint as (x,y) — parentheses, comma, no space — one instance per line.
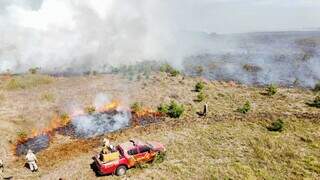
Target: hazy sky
(221,16)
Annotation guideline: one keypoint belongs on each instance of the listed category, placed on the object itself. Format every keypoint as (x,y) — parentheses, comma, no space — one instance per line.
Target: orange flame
(146,112)
(63,120)
(111,106)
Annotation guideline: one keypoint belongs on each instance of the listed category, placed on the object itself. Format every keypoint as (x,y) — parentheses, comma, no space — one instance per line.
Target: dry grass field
(225,144)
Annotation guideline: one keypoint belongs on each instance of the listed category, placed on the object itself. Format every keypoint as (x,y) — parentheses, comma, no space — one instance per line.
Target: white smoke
(101,100)
(57,35)
(100,123)
(83,34)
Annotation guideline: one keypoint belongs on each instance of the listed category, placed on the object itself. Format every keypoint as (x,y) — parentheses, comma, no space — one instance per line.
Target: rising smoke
(77,35)
(96,124)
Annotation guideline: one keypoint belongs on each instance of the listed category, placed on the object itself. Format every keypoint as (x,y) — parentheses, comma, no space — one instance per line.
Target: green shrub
(174,72)
(173,110)
(136,107)
(271,90)
(199,86)
(169,69)
(315,102)
(276,126)
(33,70)
(317,87)
(165,67)
(22,135)
(201,96)
(163,108)
(160,157)
(245,108)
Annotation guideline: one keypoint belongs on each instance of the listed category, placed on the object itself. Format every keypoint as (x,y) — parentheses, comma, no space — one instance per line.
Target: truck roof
(126,146)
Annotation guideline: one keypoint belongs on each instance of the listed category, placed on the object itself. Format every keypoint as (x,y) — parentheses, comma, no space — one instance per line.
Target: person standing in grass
(205,109)
(1,169)
(32,161)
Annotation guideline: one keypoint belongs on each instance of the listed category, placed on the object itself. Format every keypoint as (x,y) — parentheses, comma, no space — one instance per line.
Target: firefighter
(32,161)
(205,109)
(1,169)
(107,147)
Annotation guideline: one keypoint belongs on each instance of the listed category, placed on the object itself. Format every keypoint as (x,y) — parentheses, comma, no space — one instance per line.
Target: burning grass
(109,118)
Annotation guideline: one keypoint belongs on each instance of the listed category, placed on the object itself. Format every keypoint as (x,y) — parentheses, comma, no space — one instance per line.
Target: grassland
(25,81)
(225,144)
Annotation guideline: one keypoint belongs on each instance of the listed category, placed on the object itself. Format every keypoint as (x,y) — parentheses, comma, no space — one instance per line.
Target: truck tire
(121,170)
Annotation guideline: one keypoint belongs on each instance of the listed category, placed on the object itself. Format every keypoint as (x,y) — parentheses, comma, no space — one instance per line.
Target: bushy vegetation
(271,90)
(173,110)
(163,108)
(201,96)
(136,107)
(245,108)
(144,68)
(22,134)
(315,102)
(34,70)
(276,126)
(167,68)
(160,157)
(199,86)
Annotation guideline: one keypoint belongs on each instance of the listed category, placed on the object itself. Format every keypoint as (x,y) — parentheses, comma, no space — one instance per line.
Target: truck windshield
(133,151)
(144,149)
(150,145)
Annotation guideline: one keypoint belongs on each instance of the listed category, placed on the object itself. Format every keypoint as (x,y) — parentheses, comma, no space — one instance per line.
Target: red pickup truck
(131,154)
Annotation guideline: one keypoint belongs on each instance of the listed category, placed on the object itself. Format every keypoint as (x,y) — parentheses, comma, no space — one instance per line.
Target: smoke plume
(76,35)
(100,123)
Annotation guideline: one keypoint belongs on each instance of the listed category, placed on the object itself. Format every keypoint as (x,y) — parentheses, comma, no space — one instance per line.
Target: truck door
(144,153)
(134,155)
